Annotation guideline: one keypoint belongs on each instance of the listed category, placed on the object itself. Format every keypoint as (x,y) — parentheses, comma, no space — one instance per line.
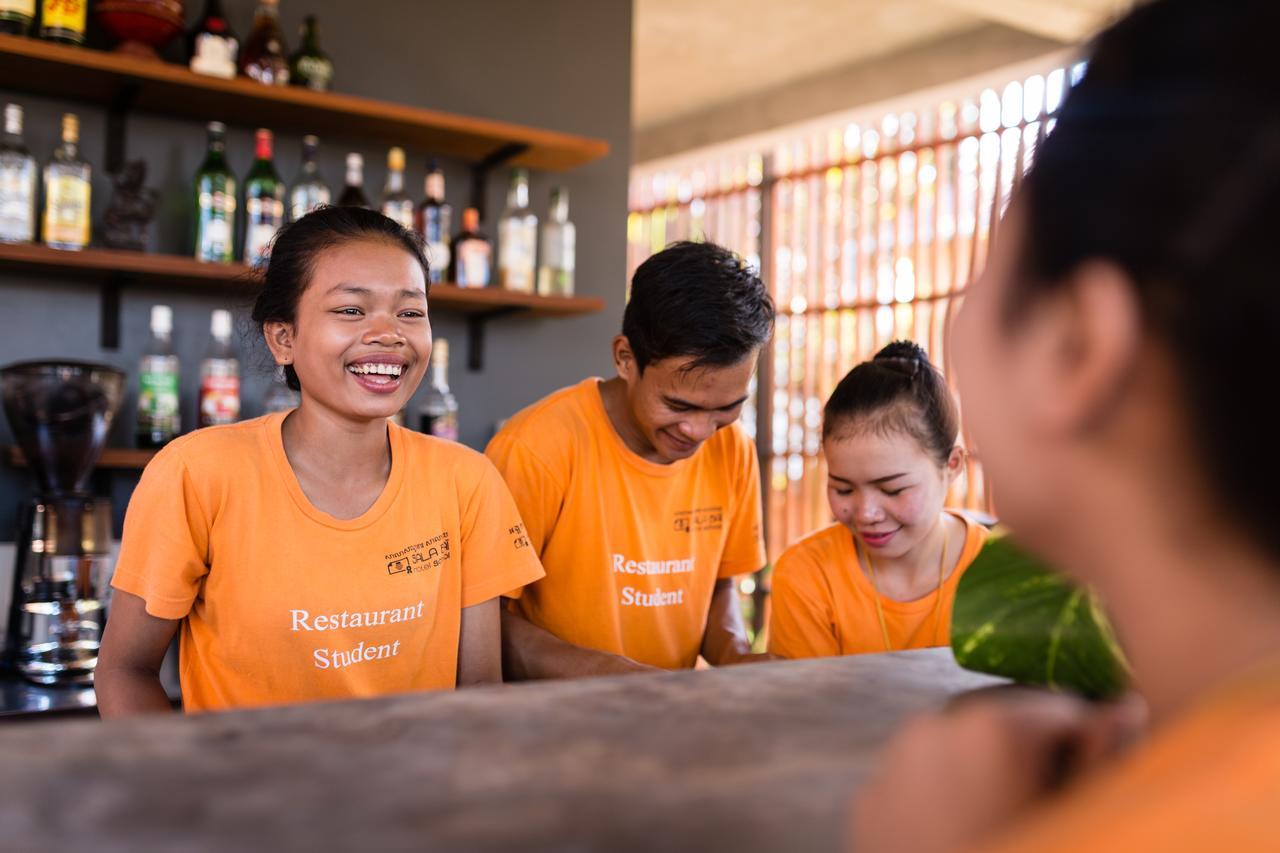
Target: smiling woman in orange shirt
(883,577)
(324,553)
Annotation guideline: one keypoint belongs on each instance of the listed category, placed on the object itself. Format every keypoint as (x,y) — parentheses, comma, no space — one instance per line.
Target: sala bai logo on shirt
(420,557)
(629,596)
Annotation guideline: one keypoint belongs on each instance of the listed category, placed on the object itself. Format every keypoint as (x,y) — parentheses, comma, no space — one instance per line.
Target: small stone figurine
(131,210)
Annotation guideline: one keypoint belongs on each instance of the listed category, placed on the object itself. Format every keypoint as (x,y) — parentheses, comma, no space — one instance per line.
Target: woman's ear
(955,464)
(279,337)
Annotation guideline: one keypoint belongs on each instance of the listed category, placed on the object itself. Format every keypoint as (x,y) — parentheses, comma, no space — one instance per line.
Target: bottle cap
(395,159)
(263,139)
(13,118)
(220,323)
(161,319)
(355,161)
(439,351)
(471,219)
(70,127)
(310,141)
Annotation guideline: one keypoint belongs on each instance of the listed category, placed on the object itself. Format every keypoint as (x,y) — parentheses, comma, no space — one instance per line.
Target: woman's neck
(314,435)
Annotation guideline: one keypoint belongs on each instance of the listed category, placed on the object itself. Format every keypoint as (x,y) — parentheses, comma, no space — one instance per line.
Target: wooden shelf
(116,269)
(112,457)
(123,82)
(177,270)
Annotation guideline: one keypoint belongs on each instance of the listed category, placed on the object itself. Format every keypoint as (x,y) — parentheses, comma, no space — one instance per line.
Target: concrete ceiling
(692,55)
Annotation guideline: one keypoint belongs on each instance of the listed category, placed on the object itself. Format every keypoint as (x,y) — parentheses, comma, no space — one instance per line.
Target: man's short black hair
(696,300)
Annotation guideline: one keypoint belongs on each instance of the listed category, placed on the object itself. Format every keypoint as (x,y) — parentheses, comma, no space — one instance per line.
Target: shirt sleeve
(538,494)
(498,556)
(801,621)
(164,555)
(744,546)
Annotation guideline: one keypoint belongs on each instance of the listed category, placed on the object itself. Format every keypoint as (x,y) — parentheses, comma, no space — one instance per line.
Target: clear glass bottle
(211,45)
(215,192)
(517,237)
(438,414)
(279,397)
(18,175)
(220,375)
(559,244)
(263,202)
(16,16)
(67,185)
(309,66)
(434,221)
(159,420)
(63,21)
(309,188)
(263,57)
(353,192)
(396,203)
(472,254)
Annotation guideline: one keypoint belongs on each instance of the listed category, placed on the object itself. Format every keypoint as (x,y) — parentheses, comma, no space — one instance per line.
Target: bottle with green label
(263,203)
(16,16)
(159,421)
(215,202)
(309,66)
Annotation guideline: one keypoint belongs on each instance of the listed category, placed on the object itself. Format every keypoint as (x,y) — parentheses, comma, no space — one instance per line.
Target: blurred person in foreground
(1112,362)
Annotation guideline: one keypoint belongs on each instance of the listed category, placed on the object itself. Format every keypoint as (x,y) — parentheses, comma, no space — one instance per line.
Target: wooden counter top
(750,758)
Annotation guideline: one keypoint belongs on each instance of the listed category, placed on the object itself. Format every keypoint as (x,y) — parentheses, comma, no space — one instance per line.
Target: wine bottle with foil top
(309,189)
(263,202)
(220,375)
(263,56)
(211,45)
(159,417)
(67,188)
(309,66)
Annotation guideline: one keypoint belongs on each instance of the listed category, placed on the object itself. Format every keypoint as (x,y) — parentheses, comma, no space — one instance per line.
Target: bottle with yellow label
(66,191)
(63,20)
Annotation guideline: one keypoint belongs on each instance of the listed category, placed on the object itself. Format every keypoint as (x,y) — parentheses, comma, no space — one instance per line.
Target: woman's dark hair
(699,300)
(898,391)
(296,248)
(1166,162)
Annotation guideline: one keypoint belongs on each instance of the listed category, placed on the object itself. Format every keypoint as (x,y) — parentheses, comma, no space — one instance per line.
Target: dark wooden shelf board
(103,78)
(112,457)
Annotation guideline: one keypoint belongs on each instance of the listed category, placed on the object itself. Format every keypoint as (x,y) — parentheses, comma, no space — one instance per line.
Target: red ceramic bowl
(140,26)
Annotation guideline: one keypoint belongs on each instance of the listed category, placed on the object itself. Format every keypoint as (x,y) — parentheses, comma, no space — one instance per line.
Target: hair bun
(903,351)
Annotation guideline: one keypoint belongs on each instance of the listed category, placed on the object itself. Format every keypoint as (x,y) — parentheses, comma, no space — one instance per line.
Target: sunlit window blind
(869,232)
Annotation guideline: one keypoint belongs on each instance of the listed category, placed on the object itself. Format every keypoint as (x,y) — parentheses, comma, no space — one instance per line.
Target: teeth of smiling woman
(381,369)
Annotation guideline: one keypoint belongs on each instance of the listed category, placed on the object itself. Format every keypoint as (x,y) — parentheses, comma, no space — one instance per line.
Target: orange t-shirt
(1209,781)
(632,548)
(283,603)
(823,604)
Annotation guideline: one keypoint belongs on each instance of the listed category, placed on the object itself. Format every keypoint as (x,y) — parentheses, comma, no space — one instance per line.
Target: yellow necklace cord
(875,587)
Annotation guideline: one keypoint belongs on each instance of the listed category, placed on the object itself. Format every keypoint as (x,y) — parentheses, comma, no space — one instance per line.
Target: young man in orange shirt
(640,493)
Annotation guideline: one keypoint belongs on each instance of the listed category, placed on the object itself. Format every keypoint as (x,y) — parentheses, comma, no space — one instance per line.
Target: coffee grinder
(60,413)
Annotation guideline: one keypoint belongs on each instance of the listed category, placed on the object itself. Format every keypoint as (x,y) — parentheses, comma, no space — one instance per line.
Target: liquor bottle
(559,239)
(279,397)
(309,189)
(353,193)
(472,254)
(434,221)
(63,20)
(66,191)
(211,44)
(17,182)
(16,16)
(396,203)
(309,66)
(263,57)
(517,237)
(215,202)
(220,375)
(159,420)
(263,203)
(438,414)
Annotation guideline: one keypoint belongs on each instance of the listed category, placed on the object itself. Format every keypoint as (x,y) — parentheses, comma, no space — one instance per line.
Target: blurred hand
(953,779)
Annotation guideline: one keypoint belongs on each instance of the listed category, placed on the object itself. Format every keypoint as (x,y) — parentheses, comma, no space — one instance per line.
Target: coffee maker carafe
(60,414)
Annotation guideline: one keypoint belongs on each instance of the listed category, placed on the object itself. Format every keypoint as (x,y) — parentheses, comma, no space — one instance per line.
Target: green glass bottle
(215,192)
(309,66)
(263,203)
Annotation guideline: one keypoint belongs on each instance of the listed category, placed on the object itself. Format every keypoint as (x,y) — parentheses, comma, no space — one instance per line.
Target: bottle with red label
(220,376)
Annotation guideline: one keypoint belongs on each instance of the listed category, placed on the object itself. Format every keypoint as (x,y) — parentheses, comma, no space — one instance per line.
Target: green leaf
(1017,618)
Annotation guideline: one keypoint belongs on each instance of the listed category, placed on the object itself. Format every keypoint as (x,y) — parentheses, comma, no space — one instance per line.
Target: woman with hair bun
(883,576)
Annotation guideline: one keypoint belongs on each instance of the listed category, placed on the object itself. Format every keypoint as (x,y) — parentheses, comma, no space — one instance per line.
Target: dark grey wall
(559,64)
